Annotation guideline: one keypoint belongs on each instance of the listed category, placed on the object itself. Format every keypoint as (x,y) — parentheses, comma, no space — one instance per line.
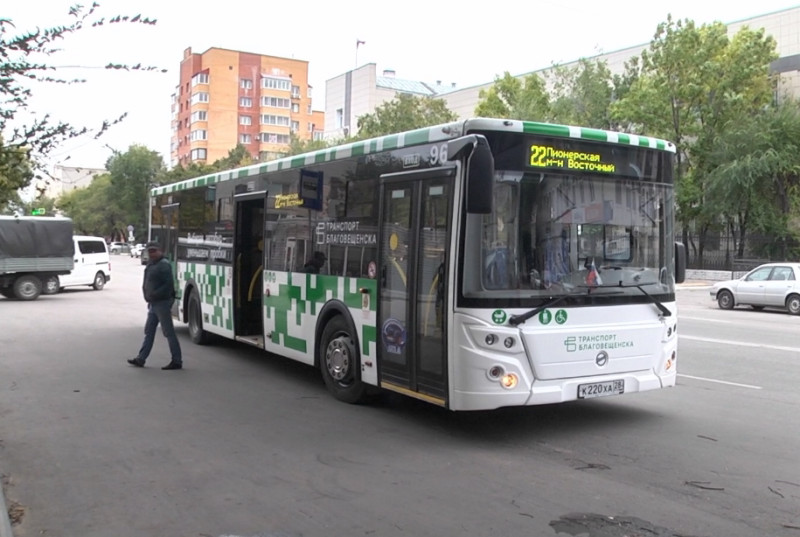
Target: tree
(94,209)
(133,174)
(298,146)
(756,177)
(23,59)
(582,94)
(513,98)
(403,113)
(689,84)
(237,157)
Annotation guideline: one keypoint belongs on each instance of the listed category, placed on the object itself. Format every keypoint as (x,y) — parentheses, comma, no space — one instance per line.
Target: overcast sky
(467,43)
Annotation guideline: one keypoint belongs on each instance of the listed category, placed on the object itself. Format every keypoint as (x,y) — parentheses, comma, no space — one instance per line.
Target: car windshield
(551,234)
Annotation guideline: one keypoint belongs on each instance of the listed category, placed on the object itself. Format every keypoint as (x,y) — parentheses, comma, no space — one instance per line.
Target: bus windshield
(553,233)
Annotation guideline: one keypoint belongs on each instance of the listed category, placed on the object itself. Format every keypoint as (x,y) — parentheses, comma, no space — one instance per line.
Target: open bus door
(248,267)
(412,314)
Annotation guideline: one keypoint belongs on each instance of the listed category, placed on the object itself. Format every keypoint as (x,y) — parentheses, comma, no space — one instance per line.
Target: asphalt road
(244,444)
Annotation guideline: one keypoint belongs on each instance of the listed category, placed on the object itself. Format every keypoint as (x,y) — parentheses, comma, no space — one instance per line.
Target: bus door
(412,306)
(248,267)
(167,237)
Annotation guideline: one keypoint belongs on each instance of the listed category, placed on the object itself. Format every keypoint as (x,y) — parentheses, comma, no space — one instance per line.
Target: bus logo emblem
(601,359)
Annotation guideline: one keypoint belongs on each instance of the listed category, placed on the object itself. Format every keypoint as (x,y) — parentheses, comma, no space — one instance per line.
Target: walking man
(159,293)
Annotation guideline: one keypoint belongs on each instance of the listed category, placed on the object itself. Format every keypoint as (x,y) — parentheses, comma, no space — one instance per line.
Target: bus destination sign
(551,156)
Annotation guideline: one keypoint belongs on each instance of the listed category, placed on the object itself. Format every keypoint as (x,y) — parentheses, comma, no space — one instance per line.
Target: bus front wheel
(339,362)
(196,332)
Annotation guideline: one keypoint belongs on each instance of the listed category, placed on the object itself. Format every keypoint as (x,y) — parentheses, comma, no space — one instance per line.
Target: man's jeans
(160,312)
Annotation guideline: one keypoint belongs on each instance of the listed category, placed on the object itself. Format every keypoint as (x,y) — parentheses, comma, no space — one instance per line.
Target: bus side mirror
(680,262)
(480,171)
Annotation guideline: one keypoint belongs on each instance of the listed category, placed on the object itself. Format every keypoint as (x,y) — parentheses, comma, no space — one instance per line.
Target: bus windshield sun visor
(480,171)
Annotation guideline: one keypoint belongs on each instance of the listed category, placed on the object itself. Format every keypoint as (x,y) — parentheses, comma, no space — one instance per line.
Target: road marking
(722,382)
(723,321)
(741,343)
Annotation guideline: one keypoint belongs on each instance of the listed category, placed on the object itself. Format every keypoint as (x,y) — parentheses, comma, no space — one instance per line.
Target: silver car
(770,285)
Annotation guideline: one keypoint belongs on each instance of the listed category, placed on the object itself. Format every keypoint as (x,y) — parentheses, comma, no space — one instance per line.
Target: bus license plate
(600,389)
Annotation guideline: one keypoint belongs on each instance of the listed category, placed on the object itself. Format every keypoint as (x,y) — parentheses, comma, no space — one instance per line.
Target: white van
(92,266)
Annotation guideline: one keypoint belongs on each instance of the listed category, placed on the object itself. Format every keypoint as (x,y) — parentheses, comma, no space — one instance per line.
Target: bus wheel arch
(194,317)
(338,356)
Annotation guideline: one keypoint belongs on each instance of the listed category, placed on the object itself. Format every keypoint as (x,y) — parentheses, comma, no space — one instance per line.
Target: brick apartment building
(227,97)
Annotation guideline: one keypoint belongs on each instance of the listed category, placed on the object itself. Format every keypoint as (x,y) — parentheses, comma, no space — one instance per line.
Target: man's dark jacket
(157,285)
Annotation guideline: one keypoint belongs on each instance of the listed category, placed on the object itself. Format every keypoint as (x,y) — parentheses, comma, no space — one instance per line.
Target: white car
(119,247)
(92,266)
(770,285)
(136,250)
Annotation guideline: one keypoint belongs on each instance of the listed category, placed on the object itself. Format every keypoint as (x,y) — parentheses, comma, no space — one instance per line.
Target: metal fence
(722,252)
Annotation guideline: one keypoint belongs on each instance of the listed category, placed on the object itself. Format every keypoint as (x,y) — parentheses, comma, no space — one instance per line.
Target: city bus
(474,265)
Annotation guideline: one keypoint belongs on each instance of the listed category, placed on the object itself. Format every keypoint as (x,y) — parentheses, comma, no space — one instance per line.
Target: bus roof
(419,136)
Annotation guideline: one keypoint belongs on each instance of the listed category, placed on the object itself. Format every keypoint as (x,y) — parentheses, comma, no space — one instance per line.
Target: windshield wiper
(514,320)
(653,299)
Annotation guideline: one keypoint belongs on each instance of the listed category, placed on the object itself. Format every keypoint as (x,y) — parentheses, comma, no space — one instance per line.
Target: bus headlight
(509,381)
(490,339)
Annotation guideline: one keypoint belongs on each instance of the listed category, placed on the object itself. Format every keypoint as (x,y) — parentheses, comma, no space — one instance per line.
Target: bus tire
(725,300)
(793,304)
(195,317)
(339,361)
(99,281)
(27,287)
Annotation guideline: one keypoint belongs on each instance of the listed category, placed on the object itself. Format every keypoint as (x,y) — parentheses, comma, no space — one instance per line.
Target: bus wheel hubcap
(337,359)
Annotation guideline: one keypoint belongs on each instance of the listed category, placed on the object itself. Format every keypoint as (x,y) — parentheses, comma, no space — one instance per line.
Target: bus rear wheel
(339,362)
(196,332)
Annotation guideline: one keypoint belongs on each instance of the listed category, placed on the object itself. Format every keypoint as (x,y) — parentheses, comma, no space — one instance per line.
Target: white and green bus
(474,265)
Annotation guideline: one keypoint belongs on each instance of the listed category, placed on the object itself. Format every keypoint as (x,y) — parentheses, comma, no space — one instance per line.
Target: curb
(5,522)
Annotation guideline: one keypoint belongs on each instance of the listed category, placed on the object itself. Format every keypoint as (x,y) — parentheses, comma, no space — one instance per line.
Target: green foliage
(298,146)
(688,85)
(237,157)
(15,172)
(94,209)
(23,58)
(132,175)
(755,175)
(582,94)
(512,98)
(403,113)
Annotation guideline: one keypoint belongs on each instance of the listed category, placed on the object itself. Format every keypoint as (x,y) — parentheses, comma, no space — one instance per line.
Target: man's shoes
(138,362)
(172,365)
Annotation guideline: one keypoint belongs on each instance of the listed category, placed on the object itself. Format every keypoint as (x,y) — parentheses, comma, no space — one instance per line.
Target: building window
(245,139)
(245,102)
(198,134)
(246,83)
(308,110)
(267,119)
(339,118)
(274,138)
(295,126)
(199,115)
(269,82)
(318,136)
(296,92)
(245,120)
(200,97)
(310,127)
(309,92)
(275,102)
(199,154)
(295,108)
(200,78)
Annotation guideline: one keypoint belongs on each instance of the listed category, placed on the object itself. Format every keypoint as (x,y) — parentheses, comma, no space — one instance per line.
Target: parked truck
(32,250)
